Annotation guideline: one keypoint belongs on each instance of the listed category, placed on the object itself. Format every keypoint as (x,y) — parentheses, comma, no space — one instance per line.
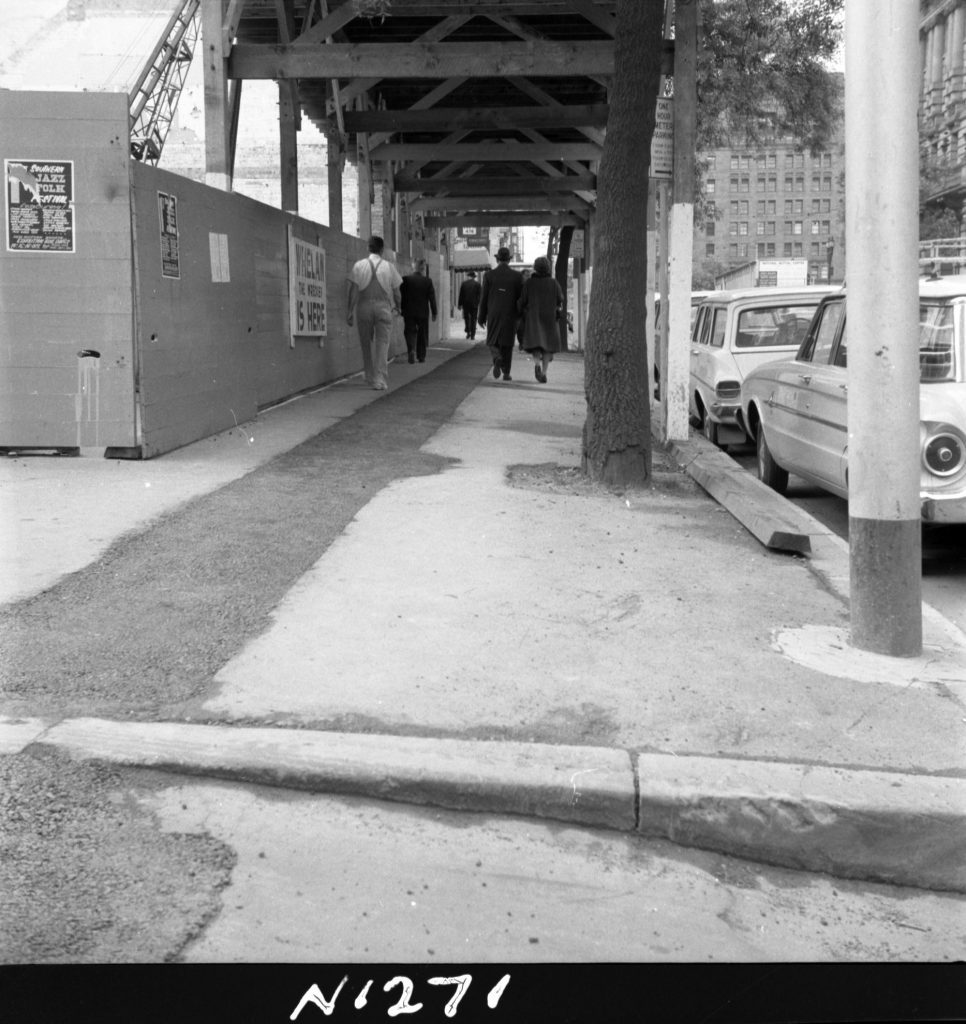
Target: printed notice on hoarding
(40,205)
(218,251)
(168,218)
(306,283)
(662,142)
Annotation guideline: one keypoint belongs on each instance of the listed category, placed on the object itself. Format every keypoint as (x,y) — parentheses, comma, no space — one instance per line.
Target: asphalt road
(944,551)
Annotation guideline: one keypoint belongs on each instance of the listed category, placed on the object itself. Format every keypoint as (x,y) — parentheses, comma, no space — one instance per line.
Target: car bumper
(941,510)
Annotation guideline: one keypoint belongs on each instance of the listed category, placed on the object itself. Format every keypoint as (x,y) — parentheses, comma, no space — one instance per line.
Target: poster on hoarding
(168,218)
(40,205)
(306,285)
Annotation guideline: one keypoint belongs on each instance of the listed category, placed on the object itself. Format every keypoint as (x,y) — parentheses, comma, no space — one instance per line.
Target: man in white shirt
(374,298)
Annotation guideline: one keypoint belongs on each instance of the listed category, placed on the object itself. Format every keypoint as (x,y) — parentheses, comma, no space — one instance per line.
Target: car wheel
(710,430)
(769,472)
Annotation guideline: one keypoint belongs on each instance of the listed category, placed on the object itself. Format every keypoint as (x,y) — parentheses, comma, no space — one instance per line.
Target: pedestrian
(374,298)
(418,301)
(542,306)
(499,311)
(469,302)
(526,277)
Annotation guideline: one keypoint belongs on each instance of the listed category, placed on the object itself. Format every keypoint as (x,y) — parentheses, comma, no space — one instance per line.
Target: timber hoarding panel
(214,353)
(55,305)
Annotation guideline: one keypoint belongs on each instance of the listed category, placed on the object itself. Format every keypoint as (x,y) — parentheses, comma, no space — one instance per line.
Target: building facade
(942,106)
(775,202)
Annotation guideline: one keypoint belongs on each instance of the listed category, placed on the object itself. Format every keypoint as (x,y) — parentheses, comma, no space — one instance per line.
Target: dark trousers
(416,333)
(469,318)
(502,357)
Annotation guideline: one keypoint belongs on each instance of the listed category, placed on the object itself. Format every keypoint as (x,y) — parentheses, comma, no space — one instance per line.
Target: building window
(800,184)
(772,207)
(743,207)
(797,249)
(825,227)
(760,183)
(797,228)
(709,228)
(799,207)
(770,227)
(760,208)
(787,249)
(709,186)
(788,206)
(772,161)
(709,249)
(816,183)
(760,227)
(733,207)
(733,250)
(826,206)
(743,251)
(744,185)
(816,206)
(734,161)
(743,227)
(813,250)
(733,182)
(762,249)
(789,183)
(733,228)
(826,184)
(814,227)
(788,227)
(772,184)
(771,249)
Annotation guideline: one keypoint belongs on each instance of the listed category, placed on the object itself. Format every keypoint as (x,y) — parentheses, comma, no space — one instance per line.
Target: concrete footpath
(503,636)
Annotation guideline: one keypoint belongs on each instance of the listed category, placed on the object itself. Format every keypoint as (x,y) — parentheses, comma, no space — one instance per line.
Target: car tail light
(944,451)
(728,389)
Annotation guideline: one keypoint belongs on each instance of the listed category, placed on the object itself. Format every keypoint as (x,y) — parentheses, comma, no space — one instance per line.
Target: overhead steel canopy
(503,102)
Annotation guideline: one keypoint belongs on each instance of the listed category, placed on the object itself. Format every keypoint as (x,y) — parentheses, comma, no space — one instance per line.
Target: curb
(880,826)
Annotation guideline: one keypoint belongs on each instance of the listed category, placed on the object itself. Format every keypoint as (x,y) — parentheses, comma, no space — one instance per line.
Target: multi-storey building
(942,105)
(773,201)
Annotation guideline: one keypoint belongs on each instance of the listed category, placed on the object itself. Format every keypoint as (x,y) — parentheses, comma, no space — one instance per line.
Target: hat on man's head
(503,254)
(472,273)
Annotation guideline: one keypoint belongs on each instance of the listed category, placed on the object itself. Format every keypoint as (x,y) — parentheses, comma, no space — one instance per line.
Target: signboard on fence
(170,251)
(306,285)
(40,205)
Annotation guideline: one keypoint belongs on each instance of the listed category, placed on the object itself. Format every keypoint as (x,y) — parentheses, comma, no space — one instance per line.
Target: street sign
(662,142)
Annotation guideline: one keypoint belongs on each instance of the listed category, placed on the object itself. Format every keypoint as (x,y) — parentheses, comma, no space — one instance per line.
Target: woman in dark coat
(540,306)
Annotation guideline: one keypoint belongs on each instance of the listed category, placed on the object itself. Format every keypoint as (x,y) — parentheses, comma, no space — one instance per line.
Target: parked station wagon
(796,409)
(732,333)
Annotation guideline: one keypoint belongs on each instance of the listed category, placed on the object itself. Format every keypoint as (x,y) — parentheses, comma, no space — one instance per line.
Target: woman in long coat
(541,305)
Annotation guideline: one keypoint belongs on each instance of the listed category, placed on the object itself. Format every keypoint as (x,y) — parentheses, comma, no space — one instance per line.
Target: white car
(795,409)
(732,333)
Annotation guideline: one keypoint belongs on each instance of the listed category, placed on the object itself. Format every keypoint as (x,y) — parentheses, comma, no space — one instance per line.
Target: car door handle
(805,378)
(844,387)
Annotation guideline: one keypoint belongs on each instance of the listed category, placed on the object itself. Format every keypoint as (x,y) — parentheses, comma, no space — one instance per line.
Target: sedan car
(733,332)
(795,409)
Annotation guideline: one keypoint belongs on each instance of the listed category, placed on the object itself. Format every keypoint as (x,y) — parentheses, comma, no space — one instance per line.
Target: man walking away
(418,301)
(469,302)
(374,297)
(498,311)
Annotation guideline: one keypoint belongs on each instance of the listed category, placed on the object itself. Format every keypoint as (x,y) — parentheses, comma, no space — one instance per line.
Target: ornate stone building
(942,105)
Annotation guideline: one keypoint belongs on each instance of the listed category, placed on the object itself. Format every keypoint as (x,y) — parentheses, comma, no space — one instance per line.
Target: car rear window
(767,327)
(936,343)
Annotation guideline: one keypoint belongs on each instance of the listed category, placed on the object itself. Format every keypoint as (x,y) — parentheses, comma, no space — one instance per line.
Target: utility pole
(882,196)
(681,229)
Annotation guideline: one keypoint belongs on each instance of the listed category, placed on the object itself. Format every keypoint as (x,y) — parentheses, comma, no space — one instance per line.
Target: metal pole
(882,175)
(681,226)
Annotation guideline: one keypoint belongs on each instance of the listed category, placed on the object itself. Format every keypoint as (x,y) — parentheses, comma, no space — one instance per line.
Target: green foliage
(762,71)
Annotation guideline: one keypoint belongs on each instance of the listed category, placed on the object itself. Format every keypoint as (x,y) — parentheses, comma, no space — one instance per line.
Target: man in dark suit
(418,301)
(469,302)
(498,311)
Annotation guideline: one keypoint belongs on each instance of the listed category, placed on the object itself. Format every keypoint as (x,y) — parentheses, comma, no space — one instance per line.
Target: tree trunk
(560,273)
(617,431)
